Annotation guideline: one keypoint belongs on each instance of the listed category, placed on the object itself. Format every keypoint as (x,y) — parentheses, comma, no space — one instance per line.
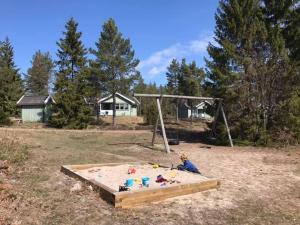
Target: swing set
(159,98)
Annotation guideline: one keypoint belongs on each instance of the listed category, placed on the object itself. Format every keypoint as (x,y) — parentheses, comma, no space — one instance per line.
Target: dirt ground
(258,185)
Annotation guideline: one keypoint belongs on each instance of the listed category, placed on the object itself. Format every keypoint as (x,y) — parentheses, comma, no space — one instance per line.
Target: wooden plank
(154,195)
(87,166)
(155,128)
(163,126)
(174,96)
(133,201)
(227,128)
(147,191)
(215,118)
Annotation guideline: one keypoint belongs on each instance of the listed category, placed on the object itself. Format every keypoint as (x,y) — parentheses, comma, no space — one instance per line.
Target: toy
(155,166)
(123,188)
(160,179)
(129,182)
(146,181)
(131,170)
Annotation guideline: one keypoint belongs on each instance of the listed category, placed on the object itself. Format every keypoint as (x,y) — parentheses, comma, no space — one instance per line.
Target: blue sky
(159,30)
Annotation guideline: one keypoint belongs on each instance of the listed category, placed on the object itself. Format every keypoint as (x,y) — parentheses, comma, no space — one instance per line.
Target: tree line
(253,65)
(78,81)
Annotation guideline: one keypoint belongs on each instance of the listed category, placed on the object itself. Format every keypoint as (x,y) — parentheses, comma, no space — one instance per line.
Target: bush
(12,149)
(4,119)
(150,113)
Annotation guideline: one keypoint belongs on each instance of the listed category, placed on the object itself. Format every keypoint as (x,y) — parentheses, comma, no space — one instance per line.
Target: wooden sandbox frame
(132,198)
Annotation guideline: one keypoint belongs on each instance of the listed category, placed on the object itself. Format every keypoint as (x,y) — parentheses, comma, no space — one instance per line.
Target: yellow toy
(155,166)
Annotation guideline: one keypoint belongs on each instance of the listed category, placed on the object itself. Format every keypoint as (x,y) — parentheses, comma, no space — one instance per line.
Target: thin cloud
(158,62)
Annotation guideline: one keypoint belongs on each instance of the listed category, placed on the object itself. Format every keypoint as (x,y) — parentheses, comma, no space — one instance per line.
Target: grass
(41,193)
(12,149)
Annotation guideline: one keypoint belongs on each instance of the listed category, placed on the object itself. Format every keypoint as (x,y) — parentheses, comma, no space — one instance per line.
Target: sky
(159,30)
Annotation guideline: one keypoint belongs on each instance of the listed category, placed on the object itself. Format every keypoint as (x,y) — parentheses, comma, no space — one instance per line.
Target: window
(121,106)
(106,106)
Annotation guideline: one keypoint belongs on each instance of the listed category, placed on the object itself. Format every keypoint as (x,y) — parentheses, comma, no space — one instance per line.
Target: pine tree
(173,77)
(71,84)
(190,81)
(184,79)
(10,82)
(115,60)
(38,76)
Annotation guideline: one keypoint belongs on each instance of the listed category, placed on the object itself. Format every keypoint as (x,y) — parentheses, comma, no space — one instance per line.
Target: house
(125,106)
(35,108)
(198,111)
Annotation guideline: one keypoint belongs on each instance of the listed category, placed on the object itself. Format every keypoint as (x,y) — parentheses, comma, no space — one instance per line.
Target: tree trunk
(114,109)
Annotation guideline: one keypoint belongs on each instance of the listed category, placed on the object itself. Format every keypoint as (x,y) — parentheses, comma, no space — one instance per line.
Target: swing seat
(173,141)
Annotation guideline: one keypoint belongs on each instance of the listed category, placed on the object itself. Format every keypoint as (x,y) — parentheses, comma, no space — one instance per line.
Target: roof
(132,100)
(206,102)
(34,100)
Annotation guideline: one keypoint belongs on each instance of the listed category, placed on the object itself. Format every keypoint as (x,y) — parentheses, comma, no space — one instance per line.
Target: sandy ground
(114,176)
(258,185)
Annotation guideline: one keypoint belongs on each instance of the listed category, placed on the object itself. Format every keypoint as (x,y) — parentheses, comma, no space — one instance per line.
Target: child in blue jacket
(187,165)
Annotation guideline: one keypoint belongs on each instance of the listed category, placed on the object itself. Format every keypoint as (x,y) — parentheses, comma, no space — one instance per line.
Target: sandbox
(106,178)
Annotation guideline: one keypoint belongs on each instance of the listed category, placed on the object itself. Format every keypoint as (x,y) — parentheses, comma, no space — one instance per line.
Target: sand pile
(114,176)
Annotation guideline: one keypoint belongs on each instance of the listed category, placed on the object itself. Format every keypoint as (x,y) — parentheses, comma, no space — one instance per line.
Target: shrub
(4,119)
(150,113)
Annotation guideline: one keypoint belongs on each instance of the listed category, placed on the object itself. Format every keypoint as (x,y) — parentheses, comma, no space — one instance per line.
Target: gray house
(198,111)
(125,106)
(35,108)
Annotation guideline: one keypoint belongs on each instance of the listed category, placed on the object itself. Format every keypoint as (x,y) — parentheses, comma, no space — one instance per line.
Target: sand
(114,176)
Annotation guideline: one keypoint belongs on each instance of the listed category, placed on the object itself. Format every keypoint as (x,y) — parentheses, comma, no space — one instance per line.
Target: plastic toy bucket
(129,182)
(145,181)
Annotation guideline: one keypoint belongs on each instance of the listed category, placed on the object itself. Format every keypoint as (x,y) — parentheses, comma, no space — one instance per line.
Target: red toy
(131,170)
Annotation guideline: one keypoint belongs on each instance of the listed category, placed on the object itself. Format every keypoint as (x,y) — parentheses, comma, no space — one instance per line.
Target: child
(187,165)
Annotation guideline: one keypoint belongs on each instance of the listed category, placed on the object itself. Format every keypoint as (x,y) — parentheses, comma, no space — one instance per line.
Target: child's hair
(183,157)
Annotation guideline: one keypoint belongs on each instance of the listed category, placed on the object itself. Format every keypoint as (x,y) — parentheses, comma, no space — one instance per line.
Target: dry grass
(12,148)
(258,186)
(124,120)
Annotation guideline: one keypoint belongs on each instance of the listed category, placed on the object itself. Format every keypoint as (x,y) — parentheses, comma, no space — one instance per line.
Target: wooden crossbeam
(174,96)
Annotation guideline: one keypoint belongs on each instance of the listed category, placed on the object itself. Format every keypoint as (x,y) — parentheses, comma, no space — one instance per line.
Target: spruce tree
(38,76)
(71,86)
(10,82)
(250,67)
(115,61)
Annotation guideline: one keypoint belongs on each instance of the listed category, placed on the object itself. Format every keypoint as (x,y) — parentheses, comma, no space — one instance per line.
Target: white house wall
(185,112)
(131,111)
